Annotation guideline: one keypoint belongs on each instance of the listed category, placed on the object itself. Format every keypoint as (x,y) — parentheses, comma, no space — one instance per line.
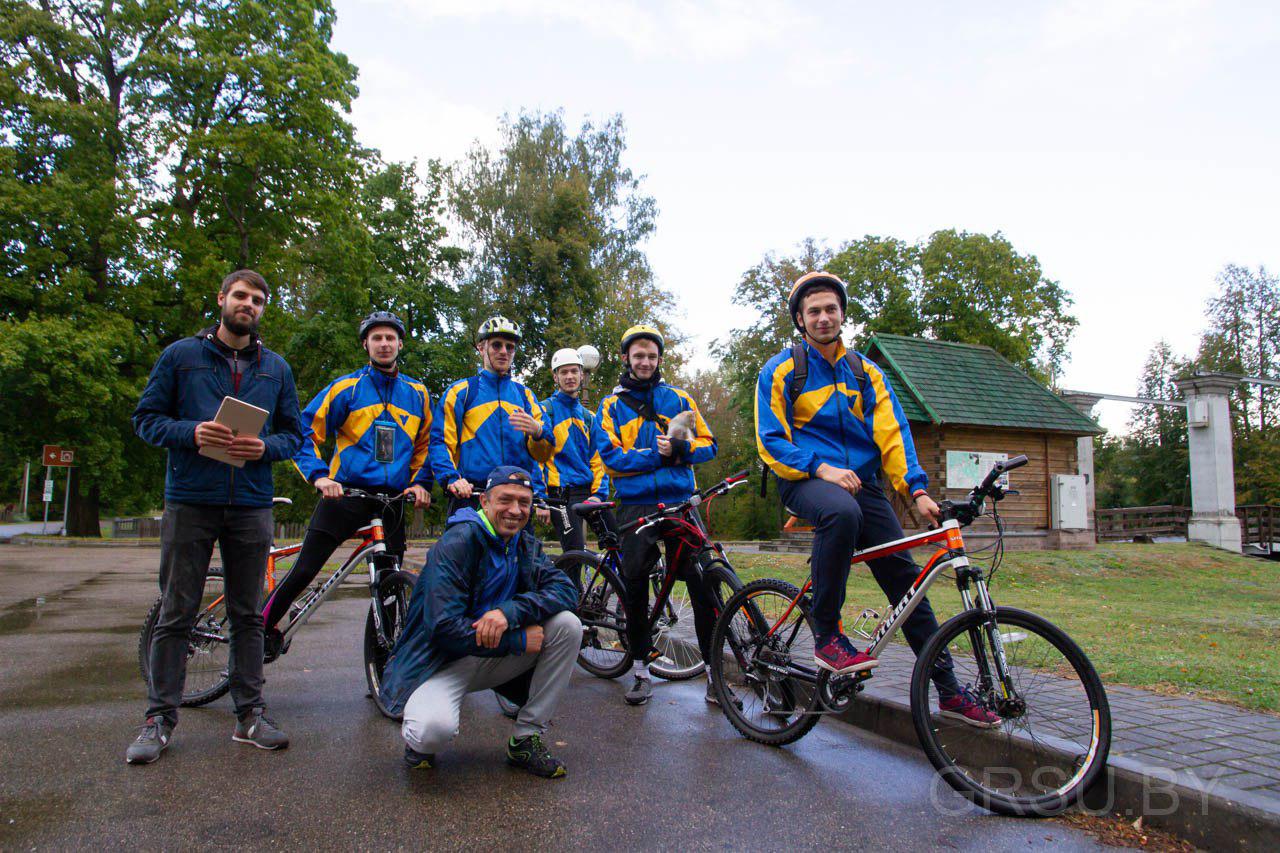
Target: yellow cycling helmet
(642,331)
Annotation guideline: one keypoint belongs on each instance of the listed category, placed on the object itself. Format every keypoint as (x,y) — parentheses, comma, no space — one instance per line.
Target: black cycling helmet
(380,318)
(807,282)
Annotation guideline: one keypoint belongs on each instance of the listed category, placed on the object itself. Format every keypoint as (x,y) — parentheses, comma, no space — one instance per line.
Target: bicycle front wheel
(392,603)
(1054,733)
(604,620)
(675,634)
(208,646)
(762,663)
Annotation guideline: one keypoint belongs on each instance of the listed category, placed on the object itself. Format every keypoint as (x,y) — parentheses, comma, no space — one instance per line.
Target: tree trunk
(82,512)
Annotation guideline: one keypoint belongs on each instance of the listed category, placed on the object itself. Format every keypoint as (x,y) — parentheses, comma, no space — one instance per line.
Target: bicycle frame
(950,555)
(372,542)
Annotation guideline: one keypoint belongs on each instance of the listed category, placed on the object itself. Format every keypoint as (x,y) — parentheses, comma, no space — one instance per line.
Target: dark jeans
(333,522)
(574,539)
(842,525)
(187,535)
(639,554)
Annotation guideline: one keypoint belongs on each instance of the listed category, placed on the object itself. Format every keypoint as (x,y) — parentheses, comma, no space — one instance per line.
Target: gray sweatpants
(432,714)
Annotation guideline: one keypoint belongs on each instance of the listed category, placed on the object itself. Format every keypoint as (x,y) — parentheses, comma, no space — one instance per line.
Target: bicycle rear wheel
(604,621)
(1055,733)
(208,646)
(392,601)
(766,678)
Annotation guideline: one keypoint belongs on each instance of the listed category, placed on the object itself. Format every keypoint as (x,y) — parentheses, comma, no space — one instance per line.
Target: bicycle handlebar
(349,492)
(696,499)
(967,511)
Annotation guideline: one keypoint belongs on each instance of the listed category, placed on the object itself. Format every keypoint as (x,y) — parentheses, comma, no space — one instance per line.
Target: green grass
(1179,617)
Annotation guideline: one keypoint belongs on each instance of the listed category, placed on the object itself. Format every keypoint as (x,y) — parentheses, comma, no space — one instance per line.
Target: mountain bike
(1055,730)
(208,649)
(676,654)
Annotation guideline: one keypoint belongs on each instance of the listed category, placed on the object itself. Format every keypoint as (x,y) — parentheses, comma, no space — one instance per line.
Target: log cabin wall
(1026,515)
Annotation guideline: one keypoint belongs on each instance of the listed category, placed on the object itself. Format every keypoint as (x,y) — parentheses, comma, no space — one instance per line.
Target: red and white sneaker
(962,707)
(839,656)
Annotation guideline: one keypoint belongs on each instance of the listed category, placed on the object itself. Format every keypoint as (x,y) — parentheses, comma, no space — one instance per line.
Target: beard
(238,326)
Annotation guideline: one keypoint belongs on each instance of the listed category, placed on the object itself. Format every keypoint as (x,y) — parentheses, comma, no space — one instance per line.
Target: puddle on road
(26,614)
(105,675)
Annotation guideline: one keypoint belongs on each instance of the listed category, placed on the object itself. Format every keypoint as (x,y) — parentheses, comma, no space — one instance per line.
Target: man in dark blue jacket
(208,501)
(489,609)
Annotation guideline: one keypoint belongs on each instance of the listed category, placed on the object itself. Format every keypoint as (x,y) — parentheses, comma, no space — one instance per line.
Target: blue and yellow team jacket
(834,421)
(628,444)
(574,462)
(471,434)
(348,410)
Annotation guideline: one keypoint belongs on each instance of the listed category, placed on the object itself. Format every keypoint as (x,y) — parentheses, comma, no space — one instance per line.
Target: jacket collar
(211,334)
(566,399)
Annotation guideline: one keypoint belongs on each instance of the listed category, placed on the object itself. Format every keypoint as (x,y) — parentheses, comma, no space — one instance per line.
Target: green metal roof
(947,383)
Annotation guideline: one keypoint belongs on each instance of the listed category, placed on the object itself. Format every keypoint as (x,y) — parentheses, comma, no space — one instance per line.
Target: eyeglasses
(504,346)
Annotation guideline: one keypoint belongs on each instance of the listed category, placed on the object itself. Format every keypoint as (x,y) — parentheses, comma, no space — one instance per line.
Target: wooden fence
(1259,525)
(1131,521)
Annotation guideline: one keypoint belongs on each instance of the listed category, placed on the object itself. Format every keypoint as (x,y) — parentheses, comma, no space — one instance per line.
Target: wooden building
(966,403)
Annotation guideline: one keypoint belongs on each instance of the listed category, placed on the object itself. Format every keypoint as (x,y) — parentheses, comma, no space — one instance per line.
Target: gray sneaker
(151,741)
(260,730)
(639,692)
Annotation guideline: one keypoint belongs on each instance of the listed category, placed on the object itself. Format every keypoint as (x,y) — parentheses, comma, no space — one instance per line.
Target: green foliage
(1149,466)
(557,221)
(147,149)
(963,287)
(61,383)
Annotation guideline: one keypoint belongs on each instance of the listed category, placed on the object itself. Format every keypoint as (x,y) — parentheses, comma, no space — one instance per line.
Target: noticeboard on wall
(966,468)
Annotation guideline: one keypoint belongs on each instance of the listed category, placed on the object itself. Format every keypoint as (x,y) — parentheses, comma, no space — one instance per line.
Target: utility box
(1068,506)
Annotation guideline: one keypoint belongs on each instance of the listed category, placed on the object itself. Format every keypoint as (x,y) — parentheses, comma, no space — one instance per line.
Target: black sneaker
(152,740)
(418,760)
(640,691)
(260,730)
(272,644)
(530,753)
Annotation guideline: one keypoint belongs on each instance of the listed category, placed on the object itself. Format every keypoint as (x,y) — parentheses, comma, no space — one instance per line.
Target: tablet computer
(243,419)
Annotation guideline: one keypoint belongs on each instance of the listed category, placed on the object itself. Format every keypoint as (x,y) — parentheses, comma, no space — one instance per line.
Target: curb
(1209,815)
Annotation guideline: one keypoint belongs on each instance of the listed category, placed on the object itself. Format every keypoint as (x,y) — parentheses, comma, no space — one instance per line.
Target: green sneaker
(530,753)
(418,760)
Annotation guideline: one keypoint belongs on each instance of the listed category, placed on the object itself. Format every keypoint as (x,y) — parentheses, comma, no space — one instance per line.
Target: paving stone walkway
(1220,744)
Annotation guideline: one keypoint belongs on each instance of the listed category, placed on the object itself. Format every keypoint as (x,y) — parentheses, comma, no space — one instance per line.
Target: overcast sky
(1130,146)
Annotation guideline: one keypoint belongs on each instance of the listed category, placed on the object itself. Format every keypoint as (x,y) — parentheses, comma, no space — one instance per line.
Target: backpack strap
(641,407)
(800,370)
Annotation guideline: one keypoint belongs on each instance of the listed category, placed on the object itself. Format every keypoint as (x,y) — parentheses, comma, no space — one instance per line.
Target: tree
(147,148)
(1243,337)
(963,287)
(557,223)
(1158,434)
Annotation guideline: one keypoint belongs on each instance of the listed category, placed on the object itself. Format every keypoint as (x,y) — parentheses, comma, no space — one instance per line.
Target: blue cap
(509,475)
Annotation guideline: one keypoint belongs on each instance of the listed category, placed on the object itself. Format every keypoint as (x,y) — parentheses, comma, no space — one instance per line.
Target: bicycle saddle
(587,507)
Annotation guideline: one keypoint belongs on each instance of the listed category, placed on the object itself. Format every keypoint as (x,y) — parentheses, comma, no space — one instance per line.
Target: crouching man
(490,611)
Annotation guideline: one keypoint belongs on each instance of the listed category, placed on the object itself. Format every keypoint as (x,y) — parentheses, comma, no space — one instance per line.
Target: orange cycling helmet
(807,282)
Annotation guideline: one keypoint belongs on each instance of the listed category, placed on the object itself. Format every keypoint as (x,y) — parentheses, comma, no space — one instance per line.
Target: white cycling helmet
(565,357)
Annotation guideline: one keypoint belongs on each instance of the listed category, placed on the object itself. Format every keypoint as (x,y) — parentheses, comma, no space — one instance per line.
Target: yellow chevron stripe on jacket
(834,421)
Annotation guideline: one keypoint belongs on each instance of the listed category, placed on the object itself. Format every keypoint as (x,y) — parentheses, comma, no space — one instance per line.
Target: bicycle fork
(993,667)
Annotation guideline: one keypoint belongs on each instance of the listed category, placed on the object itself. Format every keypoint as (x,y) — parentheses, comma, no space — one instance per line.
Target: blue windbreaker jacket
(450,594)
(470,439)
(834,421)
(574,461)
(185,389)
(628,444)
(348,410)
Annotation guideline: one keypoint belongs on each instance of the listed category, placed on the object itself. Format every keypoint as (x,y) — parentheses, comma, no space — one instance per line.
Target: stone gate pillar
(1213,483)
(1084,447)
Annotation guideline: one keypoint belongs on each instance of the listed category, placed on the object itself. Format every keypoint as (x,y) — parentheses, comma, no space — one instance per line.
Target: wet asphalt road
(671,775)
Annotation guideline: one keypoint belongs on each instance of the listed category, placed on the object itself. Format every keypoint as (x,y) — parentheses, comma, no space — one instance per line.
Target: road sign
(48,490)
(60,457)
